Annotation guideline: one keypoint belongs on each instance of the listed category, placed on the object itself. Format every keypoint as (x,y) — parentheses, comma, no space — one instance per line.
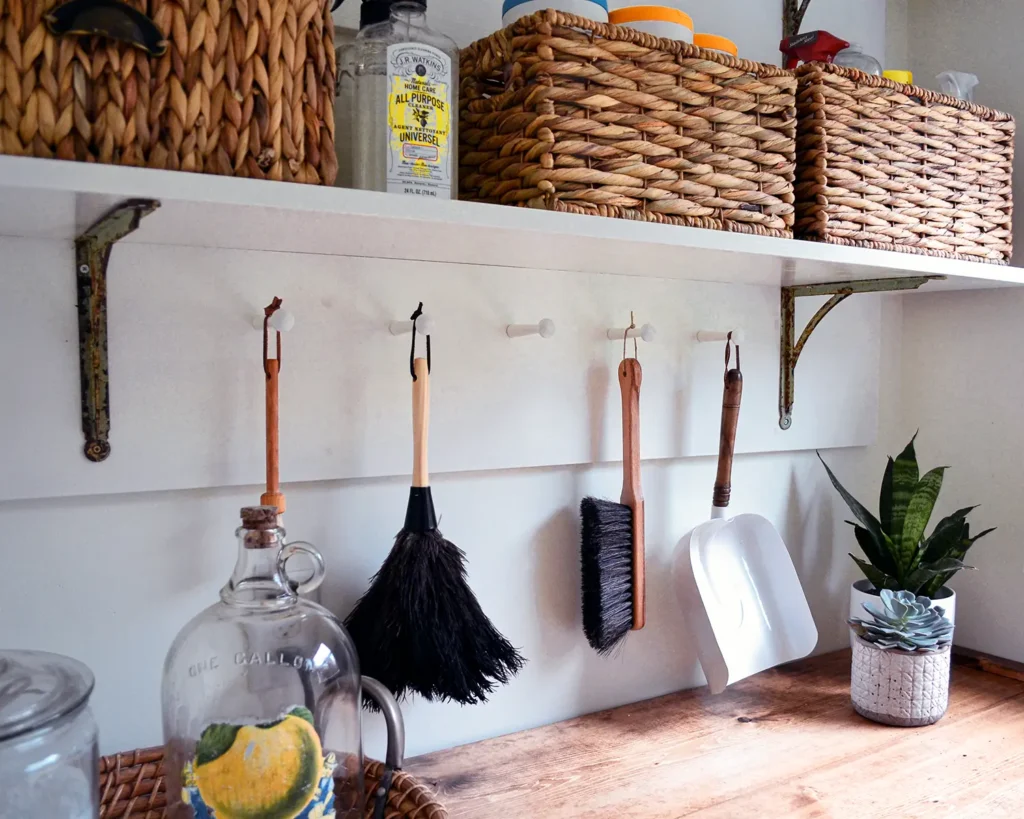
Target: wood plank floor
(785,743)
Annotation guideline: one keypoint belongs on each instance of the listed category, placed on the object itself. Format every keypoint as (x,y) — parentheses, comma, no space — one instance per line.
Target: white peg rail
(187,386)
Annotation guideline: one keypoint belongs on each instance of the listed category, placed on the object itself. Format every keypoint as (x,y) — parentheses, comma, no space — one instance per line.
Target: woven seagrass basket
(132,786)
(898,167)
(560,112)
(243,88)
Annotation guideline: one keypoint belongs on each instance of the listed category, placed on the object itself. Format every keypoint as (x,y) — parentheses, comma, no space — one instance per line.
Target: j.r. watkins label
(419,120)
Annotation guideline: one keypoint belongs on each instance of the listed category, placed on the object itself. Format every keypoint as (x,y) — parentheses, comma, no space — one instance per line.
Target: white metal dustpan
(736,583)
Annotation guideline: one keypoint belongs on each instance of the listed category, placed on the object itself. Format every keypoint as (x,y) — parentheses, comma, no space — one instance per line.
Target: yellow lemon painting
(268,771)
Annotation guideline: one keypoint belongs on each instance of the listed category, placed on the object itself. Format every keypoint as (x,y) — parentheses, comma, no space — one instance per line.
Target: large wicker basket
(898,167)
(243,88)
(560,112)
(132,787)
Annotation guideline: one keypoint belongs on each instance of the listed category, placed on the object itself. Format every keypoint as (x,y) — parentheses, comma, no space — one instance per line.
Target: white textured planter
(863,592)
(901,688)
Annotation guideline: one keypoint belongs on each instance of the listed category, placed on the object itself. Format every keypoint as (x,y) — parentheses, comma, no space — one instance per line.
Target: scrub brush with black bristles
(612,552)
(419,627)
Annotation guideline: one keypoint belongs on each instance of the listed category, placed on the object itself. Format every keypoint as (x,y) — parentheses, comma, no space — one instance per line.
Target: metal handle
(301,547)
(378,692)
(107,18)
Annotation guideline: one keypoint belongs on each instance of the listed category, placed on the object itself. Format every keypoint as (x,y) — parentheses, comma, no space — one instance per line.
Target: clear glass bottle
(261,695)
(49,751)
(856,57)
(406,86)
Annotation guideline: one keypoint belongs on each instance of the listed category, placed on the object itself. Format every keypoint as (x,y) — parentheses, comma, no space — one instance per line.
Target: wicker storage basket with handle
(132,787)
(898,167)
(560,112)
(243,88)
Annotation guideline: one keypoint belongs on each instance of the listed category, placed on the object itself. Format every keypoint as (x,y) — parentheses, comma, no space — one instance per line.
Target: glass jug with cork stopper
(262,694)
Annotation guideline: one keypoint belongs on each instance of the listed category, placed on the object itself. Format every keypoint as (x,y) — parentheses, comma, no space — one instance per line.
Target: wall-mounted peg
(281,321)
(645,333)
(544,329)
(705,336)
(424,326)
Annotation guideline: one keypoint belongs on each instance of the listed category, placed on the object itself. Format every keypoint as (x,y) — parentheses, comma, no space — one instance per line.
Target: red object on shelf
(812,47)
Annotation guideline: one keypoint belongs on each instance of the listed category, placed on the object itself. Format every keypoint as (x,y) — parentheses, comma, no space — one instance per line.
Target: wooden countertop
(785,743)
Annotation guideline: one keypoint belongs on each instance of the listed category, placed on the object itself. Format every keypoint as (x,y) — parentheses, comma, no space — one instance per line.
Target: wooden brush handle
(420,422)
(273,496)
(630,378)
(727,439)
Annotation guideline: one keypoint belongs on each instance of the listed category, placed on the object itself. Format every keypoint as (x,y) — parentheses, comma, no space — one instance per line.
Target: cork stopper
(259,518)
(260,525)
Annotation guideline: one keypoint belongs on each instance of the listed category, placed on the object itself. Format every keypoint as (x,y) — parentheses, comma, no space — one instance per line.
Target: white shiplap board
(187,384)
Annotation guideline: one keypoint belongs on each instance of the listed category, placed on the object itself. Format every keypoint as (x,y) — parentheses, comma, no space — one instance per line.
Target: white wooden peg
(646,333)
(705,336)
(545,329)
(281,321)
(424,326)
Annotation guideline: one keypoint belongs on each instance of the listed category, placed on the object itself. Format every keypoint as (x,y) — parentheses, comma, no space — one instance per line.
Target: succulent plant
(899,556)
(906,622)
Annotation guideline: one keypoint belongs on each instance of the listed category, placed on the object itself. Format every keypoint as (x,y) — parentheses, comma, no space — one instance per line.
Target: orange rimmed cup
(661,21)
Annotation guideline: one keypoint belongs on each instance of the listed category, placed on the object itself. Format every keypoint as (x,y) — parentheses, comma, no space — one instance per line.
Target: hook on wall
(646,333)
(545,328)
(705,336)
(280,321)
(424,326)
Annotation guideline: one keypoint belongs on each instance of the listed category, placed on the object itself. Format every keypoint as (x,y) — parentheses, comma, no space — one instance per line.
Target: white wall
(963,385)
(111,579)
(962,375)
(754,25)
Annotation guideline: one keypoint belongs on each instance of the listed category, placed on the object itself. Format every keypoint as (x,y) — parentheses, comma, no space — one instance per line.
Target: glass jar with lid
(856,57)
(262,695)
(49,751)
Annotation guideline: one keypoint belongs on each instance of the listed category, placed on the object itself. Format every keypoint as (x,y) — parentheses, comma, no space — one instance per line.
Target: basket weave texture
(898,167)
(132,786)
(245,88)
(560,112)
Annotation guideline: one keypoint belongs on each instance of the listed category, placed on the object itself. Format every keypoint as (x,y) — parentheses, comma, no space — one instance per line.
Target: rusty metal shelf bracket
(789,353)
(92,253)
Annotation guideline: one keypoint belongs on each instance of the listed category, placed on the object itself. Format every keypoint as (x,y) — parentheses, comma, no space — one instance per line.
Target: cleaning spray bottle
(405,94)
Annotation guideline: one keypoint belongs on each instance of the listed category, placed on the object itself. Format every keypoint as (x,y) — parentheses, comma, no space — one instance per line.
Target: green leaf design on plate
(302,713)
(215,742)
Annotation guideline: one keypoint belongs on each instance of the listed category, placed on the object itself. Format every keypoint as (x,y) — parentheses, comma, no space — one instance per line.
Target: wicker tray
(132,786)
(898,167)
(560,112)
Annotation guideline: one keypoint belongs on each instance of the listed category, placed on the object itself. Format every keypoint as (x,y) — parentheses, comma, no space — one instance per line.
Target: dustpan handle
(727,438)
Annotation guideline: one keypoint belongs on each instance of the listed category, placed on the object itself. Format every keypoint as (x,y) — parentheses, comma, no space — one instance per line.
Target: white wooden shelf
(57,200)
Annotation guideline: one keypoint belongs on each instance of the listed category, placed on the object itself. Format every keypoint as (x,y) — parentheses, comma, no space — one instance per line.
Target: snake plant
(905,622)
(899,556)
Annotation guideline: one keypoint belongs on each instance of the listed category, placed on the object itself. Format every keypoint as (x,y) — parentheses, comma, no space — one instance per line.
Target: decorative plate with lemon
(273,770)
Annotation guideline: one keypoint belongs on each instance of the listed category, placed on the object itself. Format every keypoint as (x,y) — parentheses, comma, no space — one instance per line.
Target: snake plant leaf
(947,535)
(917,580)
(932,588)
(876,578)
(868,521)
(919,510)
(885,498)
(878,554)
(905,477)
